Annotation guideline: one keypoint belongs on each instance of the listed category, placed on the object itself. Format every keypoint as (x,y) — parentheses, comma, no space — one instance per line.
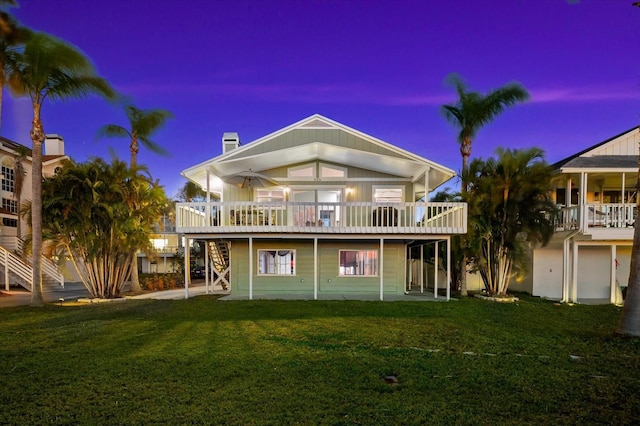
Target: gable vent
(318,124)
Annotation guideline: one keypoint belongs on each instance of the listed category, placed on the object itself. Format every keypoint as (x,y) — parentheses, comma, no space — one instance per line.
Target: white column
(422,268)
(404,273)
(187,269)
(410,269)
(567,192)
(612,296)
(6,270)
(208,208)
(426,185)
(566,269)
(315,269)
(206,266)
(435,275)
(624,198)
(583,201)
(574,275)
(381,269)
(250,268)
(449,267)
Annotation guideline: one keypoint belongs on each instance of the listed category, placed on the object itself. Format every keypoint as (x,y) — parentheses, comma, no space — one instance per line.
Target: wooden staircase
(219,256)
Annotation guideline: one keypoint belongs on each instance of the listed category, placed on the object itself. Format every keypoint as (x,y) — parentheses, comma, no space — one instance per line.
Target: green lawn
(294,362)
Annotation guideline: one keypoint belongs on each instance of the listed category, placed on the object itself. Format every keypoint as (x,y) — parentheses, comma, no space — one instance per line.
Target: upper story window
(388,194)
(328,171)
(266,195)
(10,205)
(8,179)
(308,171)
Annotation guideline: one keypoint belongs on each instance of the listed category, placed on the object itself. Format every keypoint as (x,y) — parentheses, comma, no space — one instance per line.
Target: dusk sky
(253,67)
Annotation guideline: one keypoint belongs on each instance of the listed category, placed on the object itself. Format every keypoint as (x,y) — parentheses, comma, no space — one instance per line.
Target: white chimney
(230,140)
(53,145)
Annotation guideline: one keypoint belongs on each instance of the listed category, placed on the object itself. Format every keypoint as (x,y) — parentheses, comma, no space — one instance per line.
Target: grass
(295,362)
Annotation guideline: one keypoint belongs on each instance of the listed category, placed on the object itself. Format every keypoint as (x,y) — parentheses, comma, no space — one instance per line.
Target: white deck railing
(611,215)
(307,217)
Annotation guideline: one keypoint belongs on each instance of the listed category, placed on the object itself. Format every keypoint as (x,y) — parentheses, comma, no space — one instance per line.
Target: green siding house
(318,210)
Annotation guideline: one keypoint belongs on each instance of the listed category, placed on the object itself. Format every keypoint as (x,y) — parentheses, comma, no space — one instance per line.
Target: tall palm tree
(12,36)
(142,125)
(629,323)
(49,68)
(469,114)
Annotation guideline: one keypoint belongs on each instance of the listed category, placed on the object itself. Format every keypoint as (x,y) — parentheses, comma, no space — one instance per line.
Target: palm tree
(469,114)
(509,209)
(98,216)
(12,35)
(191,192)
(629,323)
(142,124)
(49,68)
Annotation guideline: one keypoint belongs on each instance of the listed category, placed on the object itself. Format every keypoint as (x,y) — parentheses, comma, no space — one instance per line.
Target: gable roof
(319,138)
(618,152)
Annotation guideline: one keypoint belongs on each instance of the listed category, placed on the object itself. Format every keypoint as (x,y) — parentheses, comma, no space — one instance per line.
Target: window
(383,194)
(8,179)
(307,171)
(276,262)
(266,195)
(327,171)
(159,243)
(358,262)
(10,205)
(13,223)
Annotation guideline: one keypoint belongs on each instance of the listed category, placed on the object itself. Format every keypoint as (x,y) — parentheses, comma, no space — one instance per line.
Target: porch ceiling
(402,167)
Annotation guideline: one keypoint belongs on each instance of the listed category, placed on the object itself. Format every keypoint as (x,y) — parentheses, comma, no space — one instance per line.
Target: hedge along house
(318,210)
(589,256)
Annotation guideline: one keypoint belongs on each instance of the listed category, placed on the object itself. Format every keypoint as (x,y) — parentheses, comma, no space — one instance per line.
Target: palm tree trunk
(37,137)
(135,280)
(465,150)
(629,323)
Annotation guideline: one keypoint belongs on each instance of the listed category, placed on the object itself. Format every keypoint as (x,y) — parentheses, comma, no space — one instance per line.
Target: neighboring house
(589,255)
(16,190)
(167,244)
(320,210)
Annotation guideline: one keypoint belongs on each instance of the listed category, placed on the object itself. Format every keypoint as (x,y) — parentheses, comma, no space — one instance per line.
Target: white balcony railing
(612,215)
(307,217)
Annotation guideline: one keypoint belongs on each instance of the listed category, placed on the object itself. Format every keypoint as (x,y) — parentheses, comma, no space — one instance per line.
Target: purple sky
(254,66)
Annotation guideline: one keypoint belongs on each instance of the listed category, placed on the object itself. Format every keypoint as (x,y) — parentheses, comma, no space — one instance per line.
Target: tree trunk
(629,323)
(465,150)
(135,280)
(37,137)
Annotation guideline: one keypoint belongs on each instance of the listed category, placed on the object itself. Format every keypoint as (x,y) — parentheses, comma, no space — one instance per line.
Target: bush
(157,282)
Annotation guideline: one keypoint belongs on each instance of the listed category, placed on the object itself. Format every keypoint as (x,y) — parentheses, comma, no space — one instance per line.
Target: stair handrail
(14,263)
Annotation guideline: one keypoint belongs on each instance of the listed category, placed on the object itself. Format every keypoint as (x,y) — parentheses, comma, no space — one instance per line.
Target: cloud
(363,94)
(585,94)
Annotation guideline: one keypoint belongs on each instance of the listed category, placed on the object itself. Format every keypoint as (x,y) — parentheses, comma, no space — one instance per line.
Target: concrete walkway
(74,291)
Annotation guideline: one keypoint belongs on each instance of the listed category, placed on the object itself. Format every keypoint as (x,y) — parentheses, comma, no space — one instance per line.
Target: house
(167,245)
(589,255)
(15,159)
(318,210)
